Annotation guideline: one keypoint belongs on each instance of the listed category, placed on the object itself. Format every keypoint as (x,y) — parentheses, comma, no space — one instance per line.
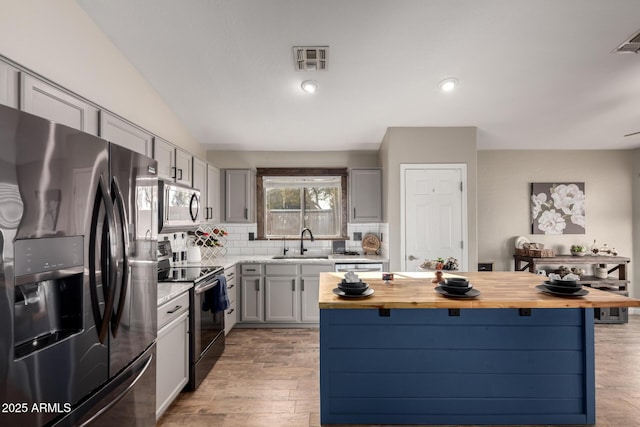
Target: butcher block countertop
(497,290)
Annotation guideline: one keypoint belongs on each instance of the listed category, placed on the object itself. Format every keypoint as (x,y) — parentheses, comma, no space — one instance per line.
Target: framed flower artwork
(557,208)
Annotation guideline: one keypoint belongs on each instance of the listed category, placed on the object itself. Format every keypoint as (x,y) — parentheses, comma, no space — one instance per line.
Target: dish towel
(220,297)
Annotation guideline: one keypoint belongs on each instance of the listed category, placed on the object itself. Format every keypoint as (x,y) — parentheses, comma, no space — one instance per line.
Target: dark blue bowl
(457,281)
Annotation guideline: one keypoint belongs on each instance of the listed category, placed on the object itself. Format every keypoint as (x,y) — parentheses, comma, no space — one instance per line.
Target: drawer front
(251,269)
(281,269)
(230,273)
(232,290)
(172,309)
(314,269)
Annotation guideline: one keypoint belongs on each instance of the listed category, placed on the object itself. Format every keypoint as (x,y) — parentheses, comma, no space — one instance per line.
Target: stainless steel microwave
(178,207)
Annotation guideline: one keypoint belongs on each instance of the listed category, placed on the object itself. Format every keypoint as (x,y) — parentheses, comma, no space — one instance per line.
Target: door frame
(462,167)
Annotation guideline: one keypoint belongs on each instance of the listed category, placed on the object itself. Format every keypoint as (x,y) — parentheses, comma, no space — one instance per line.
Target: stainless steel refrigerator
(78,277)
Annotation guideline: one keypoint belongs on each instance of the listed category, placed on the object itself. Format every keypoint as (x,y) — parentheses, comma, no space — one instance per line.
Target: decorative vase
(601,272)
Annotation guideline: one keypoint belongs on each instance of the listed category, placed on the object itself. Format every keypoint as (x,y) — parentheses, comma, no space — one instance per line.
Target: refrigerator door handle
(194,201)
(102,321)
(119,203)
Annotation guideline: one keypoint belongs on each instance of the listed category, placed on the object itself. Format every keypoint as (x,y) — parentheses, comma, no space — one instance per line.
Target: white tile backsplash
(238,242)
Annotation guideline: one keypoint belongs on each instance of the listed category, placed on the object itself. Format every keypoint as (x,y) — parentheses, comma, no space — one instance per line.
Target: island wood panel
(497,290)
(489,366)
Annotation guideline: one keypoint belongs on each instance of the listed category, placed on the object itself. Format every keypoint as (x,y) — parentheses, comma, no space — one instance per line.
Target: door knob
(412,258)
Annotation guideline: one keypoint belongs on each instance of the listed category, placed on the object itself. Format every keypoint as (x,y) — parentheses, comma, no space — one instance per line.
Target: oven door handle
(206,287)
(357,270)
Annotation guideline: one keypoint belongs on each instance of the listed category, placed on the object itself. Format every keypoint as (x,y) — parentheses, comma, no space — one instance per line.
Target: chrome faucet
(302,249)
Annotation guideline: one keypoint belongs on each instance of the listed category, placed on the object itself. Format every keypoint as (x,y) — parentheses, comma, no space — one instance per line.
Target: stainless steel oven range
(206,325)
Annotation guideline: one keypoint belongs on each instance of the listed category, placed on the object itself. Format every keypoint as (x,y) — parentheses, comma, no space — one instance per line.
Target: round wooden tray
(370,244)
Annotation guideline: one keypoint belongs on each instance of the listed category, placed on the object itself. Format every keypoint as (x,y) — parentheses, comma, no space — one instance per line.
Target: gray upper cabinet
(164,153)
(238,195)
(200,182)
(366,195)
(184,167)
(200,176)
(9,85)
(174,164)
(212,211)
(44,100)
(116,130)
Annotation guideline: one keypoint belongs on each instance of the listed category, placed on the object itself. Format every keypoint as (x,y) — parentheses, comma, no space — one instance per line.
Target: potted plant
(578,250)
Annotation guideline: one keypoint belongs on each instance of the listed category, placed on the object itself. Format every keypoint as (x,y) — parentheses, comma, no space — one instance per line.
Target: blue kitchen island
(408,355)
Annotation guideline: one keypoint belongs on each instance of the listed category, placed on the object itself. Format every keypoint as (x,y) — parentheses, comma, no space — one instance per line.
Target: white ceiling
(534,74)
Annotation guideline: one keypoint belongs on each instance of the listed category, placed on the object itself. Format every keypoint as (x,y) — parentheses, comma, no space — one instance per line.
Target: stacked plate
(353,289)
(457,287)
(570,288)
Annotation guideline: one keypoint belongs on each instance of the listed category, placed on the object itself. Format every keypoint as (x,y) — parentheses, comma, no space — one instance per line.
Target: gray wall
(634,157)
(274,159)
(504,179)
(421,146)
(57,40)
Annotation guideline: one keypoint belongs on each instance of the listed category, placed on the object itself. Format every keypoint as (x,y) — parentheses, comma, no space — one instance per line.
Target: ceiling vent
(311,58)
(631,45)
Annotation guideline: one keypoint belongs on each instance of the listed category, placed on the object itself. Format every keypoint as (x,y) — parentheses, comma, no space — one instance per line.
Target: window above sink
(291,199)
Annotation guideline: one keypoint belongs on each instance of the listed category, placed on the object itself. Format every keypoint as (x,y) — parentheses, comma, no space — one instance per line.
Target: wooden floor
(270,378)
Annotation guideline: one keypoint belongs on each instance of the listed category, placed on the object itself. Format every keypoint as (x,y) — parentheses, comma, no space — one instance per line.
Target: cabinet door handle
(354,212)
(174,172)
(230,287)
(176,308)
(180,177)
(231,311)
(302,285)
(250,269)
(246,213)
(293,285)
(257,285)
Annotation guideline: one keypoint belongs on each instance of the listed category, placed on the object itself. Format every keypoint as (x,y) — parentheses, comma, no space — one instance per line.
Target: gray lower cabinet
(309,290)
(44,100)
(282,294)
(366,195)
(125,134)
(172,351)
(231,314)
(9,85)
(251,293)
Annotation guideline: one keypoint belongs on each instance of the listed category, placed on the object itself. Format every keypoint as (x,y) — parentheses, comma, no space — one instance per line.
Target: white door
(434,214)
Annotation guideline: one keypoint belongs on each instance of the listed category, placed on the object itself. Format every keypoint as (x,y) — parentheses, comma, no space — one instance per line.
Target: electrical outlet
(357,236)
(252,236)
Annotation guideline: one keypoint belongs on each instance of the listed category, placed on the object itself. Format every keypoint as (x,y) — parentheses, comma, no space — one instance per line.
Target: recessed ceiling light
(309,86)
(449,84)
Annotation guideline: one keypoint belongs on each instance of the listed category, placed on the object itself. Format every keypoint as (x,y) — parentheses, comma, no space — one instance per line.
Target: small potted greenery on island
(578,250)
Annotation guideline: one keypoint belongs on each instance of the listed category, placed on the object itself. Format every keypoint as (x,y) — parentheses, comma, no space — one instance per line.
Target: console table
(613,283)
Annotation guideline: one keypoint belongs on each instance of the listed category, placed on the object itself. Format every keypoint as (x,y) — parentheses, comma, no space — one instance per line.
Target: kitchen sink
(301,257)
